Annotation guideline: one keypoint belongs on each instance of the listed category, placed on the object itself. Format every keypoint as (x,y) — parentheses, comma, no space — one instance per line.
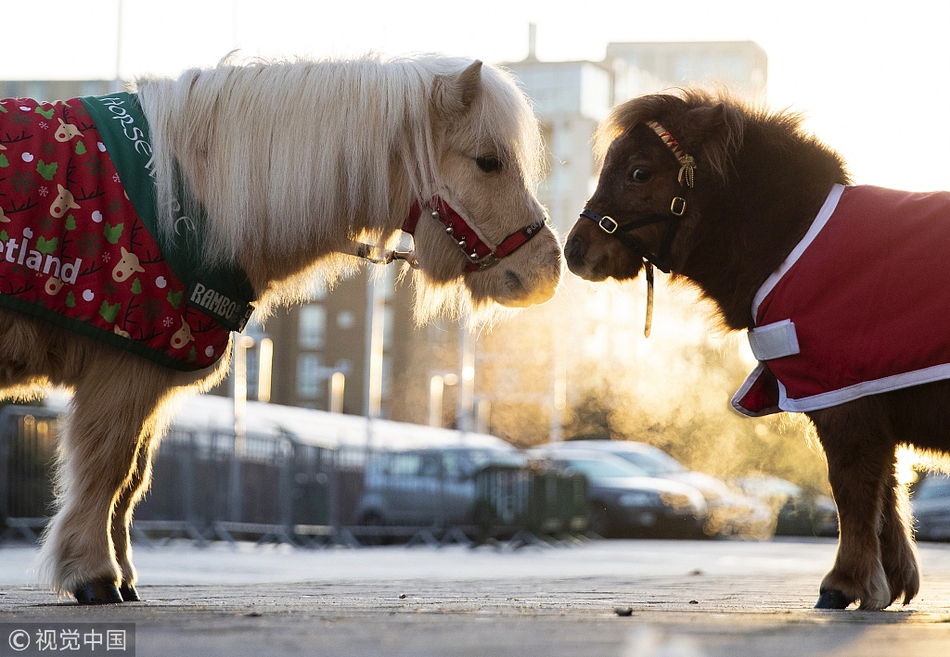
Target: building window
(253,374)
(311,332)
(309,379)
(386,387)
(389,327)
(345,319)
(344,365)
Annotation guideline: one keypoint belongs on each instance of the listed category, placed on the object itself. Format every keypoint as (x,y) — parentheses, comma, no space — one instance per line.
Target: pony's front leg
(859,455)
(122,515)
(113,407)
(898,551)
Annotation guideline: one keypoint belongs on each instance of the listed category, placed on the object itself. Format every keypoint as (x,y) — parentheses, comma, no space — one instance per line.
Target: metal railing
(530,505)
(27,452)
(206,485)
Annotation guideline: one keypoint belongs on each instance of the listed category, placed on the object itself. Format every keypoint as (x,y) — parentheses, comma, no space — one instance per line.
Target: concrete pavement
(685,599)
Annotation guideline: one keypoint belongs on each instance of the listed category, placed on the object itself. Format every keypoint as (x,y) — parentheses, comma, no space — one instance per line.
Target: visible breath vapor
(671,390)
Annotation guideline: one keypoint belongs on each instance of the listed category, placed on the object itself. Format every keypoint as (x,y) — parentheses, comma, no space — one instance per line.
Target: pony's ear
(713,138)
(705,120)
(454,94)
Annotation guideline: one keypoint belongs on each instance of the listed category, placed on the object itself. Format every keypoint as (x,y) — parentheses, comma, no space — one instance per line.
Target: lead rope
(686,173)
(648,322)
(379,256)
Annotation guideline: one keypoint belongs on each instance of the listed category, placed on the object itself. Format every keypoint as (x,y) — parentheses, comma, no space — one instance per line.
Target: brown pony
(721,194)
(293,166)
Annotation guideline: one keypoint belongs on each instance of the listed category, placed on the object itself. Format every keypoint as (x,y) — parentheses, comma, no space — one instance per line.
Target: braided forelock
(713,150)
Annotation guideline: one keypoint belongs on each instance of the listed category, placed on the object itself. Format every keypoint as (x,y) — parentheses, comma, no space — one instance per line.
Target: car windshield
(463,464)
(656,464)
(597,469)
(934,486)
(483,457)
(769,487)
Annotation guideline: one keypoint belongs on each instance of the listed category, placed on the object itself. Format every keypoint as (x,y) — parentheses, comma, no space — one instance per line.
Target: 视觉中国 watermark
(74,639)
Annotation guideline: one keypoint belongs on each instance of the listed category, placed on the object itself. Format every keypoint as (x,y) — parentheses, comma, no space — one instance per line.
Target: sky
(868,76)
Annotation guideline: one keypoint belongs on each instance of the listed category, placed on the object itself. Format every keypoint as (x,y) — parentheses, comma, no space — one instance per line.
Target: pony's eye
(488,164)
(641,175)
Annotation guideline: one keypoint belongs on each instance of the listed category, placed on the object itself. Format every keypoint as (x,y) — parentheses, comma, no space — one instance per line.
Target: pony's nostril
(574,252)
(514,284)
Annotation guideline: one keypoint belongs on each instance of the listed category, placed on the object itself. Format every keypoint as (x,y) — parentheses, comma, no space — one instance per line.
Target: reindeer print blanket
(858,308)
(76,251)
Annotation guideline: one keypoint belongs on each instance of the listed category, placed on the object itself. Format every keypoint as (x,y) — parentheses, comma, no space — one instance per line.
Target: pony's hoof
(129,593)
(832,599)
(100,592)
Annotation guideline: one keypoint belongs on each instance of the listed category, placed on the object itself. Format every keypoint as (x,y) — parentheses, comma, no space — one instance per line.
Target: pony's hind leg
(114,402)
(859,453)
(24,369)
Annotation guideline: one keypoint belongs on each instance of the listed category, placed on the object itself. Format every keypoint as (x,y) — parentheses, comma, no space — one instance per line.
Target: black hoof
(129,593)
(100,592)
(832,599)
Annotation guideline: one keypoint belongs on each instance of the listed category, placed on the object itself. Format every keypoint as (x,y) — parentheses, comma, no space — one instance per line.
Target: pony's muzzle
(577,254)
(591,254)
(521,296)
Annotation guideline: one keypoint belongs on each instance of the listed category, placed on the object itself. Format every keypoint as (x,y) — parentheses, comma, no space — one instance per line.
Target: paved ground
(686,599)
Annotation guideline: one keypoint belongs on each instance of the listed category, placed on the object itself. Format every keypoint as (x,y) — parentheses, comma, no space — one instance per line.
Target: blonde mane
(287,153)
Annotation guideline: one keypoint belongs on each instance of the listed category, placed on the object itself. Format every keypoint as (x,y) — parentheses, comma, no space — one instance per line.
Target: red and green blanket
(76,251)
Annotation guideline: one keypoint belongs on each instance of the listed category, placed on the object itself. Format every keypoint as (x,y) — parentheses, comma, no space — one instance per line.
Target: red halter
(480,255)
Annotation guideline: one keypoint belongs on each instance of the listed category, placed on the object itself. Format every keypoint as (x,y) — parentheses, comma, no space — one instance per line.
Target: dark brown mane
(760,180)
(715,150)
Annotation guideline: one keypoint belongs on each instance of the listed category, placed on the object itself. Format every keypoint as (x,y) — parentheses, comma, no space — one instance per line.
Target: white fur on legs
(94,466)
(105,442)
(125,504)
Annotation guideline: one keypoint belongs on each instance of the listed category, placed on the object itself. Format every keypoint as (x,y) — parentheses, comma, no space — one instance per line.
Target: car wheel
(375,525)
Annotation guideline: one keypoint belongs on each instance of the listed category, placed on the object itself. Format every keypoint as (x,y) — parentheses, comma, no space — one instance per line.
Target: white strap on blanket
(774,340)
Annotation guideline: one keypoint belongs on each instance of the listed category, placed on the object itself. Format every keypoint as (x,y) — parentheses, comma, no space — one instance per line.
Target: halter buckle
(483,263)
(408,255)
(678,206)
(608,225)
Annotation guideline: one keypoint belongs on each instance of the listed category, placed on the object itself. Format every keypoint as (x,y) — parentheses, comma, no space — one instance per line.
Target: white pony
(291,165)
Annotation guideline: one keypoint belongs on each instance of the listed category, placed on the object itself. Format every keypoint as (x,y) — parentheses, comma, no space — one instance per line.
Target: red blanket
(858,308)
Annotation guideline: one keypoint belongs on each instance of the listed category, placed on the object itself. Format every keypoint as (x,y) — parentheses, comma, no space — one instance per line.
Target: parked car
(432,487)
(729,513)
(798,512)
(626,502)
(931,504)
